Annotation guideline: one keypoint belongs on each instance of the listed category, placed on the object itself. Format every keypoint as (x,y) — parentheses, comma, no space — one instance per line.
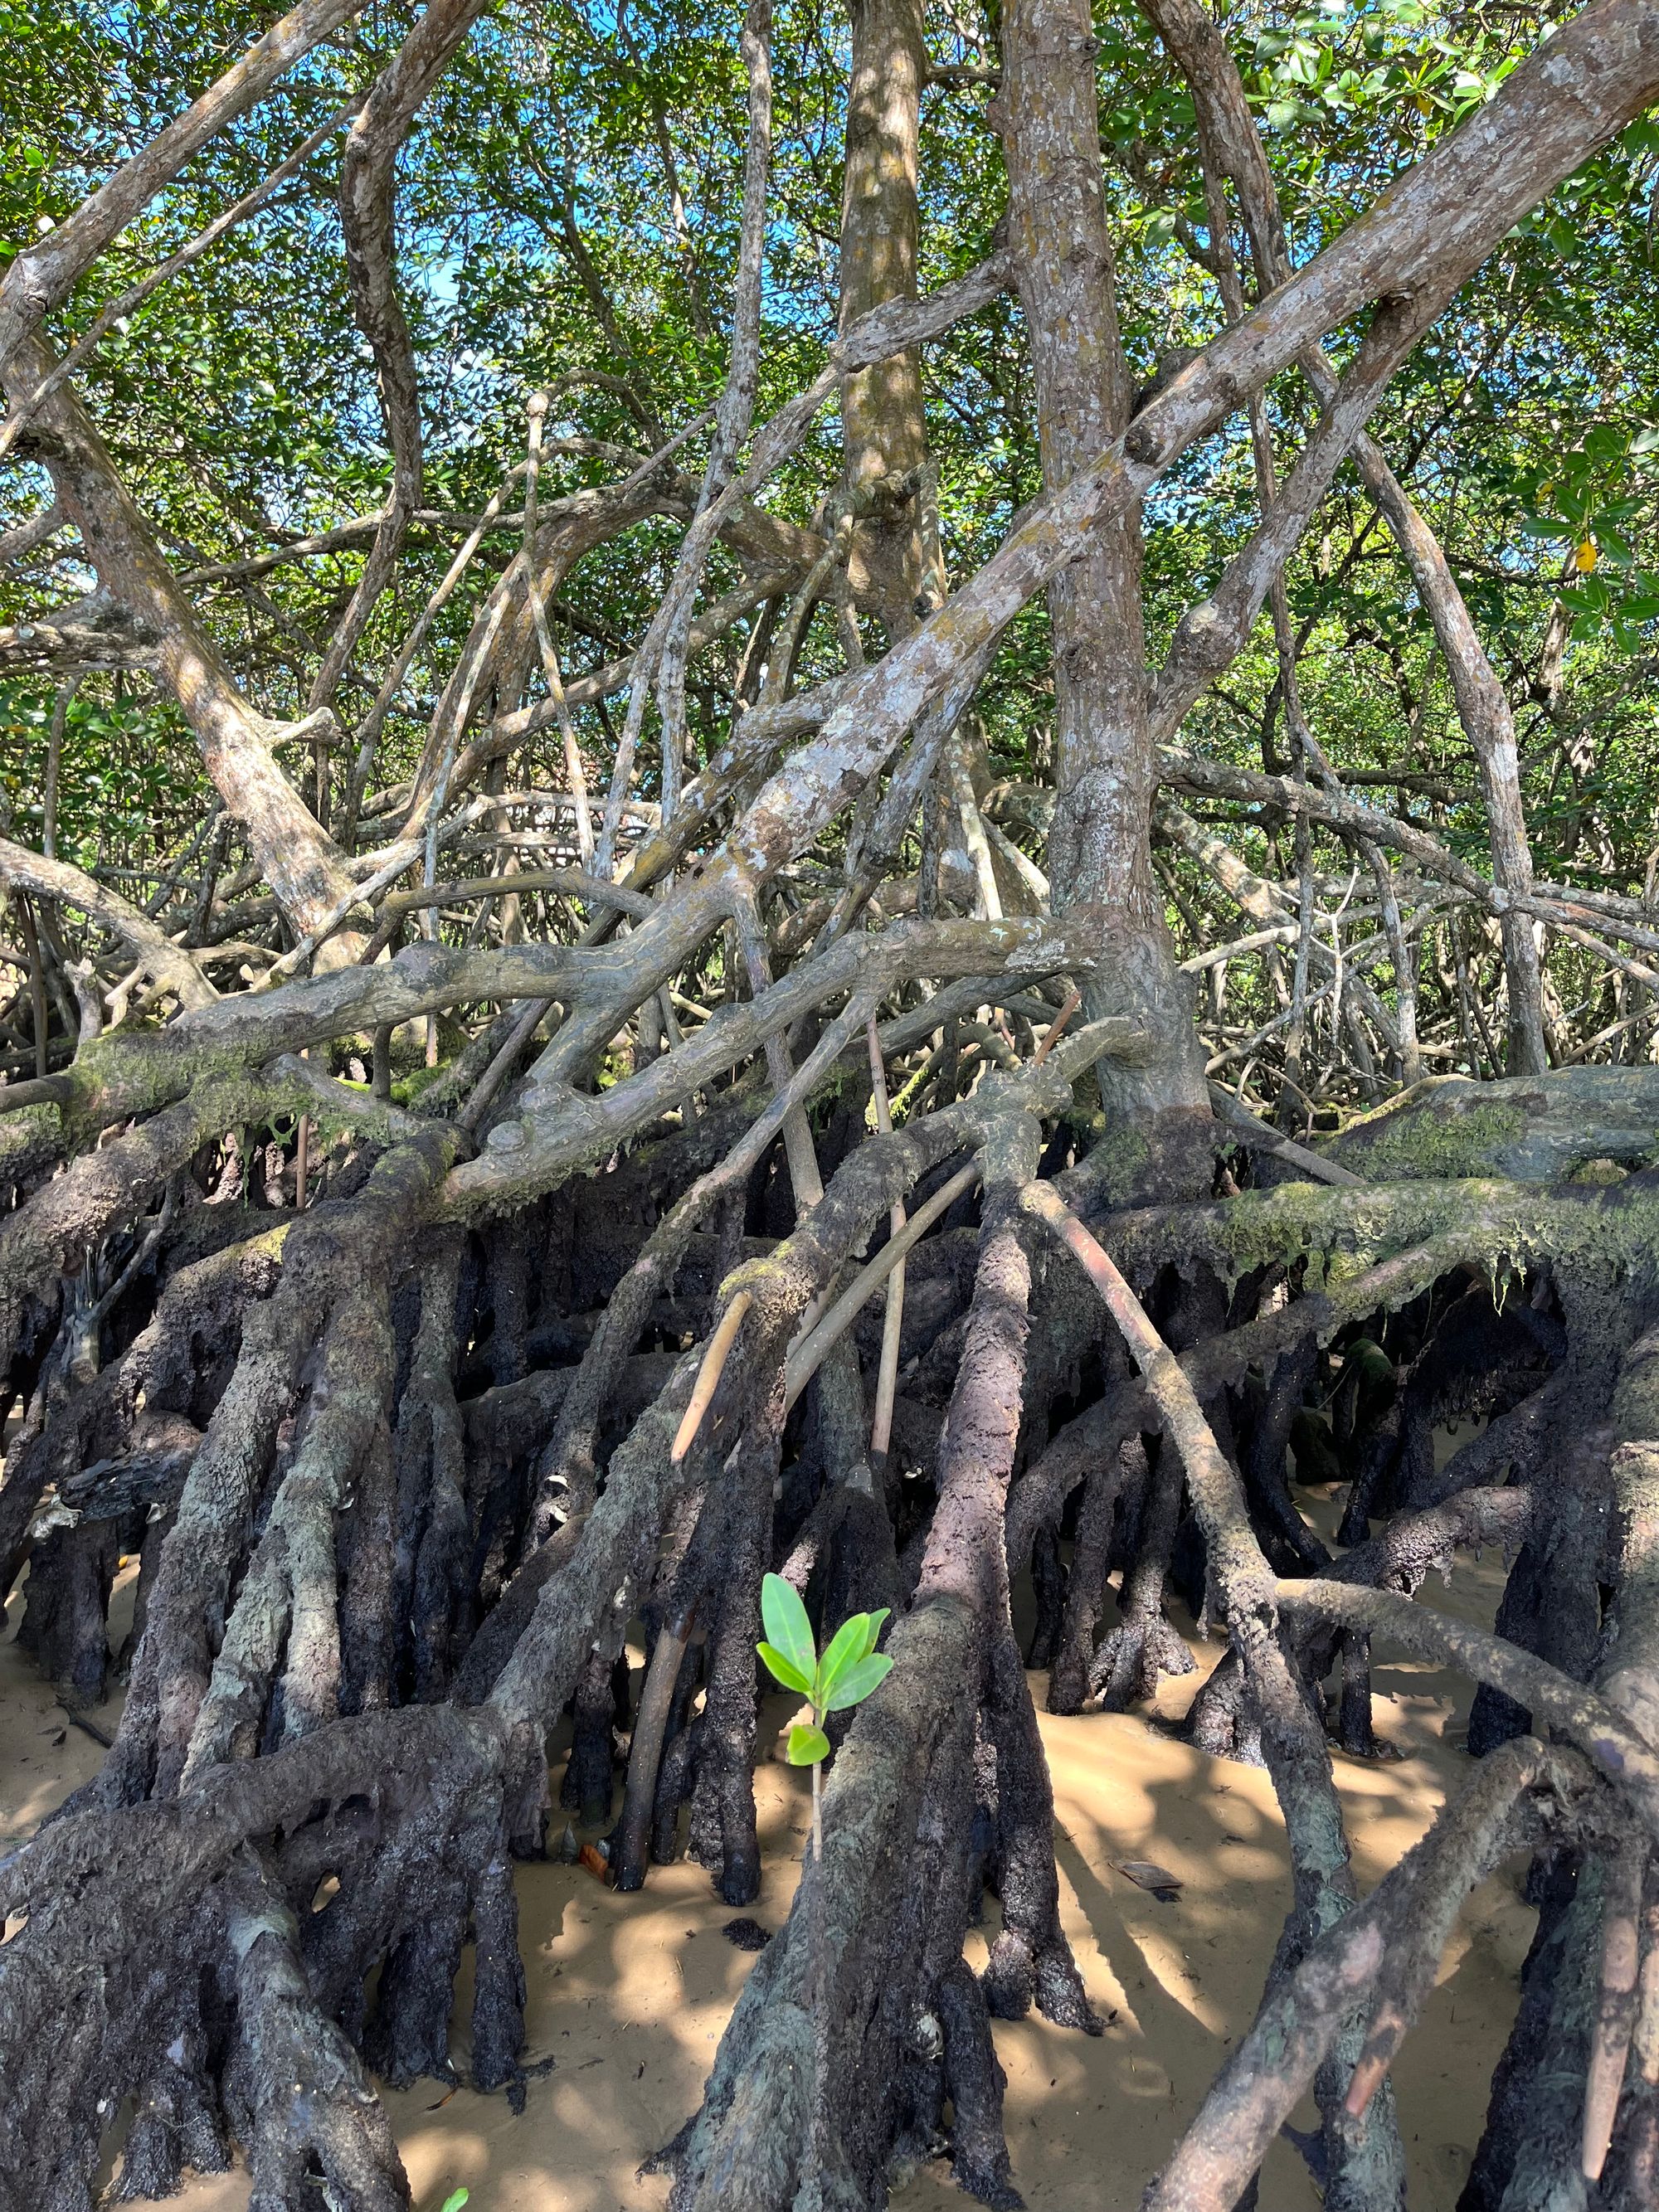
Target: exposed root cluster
(399,1488)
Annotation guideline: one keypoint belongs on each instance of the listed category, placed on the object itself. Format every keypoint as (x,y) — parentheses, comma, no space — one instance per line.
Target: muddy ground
(628,1994)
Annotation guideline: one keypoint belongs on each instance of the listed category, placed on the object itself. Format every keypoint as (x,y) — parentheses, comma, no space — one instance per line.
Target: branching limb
(1414,1907)
(1585,1719)
(170,965)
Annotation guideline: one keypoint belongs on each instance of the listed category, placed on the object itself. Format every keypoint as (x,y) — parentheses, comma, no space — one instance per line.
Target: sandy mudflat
(629,1995)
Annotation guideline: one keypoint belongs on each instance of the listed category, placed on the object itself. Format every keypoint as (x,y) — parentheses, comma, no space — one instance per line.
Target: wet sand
(628,1996)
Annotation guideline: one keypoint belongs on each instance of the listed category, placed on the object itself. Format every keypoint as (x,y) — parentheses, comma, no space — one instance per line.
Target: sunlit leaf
(785,1669)
(808,1745)
(857,1681)
(787,1628)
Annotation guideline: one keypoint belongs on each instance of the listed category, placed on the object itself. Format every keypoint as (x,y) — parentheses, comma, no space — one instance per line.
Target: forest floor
(628,1994)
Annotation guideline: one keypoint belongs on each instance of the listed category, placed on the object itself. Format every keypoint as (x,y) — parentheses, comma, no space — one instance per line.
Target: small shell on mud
(1146,1874)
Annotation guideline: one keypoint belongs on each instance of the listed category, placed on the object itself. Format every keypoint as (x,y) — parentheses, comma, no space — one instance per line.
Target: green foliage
(119,785)
(568,202)
(849,1670)
(807,1746)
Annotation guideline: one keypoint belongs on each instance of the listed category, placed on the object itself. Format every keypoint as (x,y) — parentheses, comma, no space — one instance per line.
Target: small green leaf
(785,1669)
(807,1746)
(874,1625)
(857,1681)
(787,1627)
(847,1645)
(454,2201)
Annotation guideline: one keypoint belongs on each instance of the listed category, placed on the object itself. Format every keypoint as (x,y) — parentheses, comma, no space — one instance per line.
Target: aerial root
(1030,1960)
(974,2082)
(709,1374)
(586,1788)
(1382,1955)
(298,2083)
(177,2120)
(1615,2019)
(1073,1655)
(1145,1647)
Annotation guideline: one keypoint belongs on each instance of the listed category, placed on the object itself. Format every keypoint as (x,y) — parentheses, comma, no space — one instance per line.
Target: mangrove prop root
(373,1581)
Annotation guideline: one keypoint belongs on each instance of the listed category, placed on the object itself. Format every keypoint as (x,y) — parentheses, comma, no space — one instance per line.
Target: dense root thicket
(787,1173)
(398,1487)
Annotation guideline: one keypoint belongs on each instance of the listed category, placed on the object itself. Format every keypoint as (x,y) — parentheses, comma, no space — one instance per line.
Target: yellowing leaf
(807,1746)
(1584,559)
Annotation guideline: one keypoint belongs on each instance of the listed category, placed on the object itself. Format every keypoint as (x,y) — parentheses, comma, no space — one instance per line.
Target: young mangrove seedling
(849,1669)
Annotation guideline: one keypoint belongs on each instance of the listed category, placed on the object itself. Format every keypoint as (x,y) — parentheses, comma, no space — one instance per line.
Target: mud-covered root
(176,1952)
(106,1510)
(132,1428)
(723,1835)
(338,1260)
(1144,1647)
(433,1550)
(974,2082)
(1132,1659)
(289,1610)
(1051,1588)
(176,2123)
(1286,1537)
(1030,1961)
(296,2087)
(70,1576)
(1084,1587)
(1355,1731)
(590,1769)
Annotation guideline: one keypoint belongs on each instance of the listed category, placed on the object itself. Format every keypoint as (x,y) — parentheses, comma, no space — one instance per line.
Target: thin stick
(810,1355)
(1616,2015)
(645,1751)
(881,1426)
(1073,1000)
(1260,1137)
(37,986)
(799,1150)
(1240,1572)
(709,1374)
(551,674)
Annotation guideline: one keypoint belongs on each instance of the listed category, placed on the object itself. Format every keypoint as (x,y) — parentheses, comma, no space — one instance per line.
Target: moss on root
(1603,1234)
(1531,1129)
(1441,1138)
